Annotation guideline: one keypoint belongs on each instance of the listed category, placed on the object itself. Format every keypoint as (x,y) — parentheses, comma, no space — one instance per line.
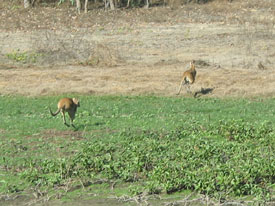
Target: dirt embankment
(48,51)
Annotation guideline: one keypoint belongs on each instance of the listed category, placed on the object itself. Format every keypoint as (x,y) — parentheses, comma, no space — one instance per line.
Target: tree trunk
(147,4)
(27,4)
(78,6)
(112,6)
(106,3)
(128,3)
(86,6)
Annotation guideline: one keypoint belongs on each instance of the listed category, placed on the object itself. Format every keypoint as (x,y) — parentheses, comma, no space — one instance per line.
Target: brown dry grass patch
(139,51)
(68,134)
(133,80)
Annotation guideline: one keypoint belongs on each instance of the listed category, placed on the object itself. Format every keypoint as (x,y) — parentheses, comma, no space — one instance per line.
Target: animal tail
(54,114)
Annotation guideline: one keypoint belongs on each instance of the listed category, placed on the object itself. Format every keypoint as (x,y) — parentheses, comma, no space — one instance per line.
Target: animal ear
(75,101)
(192,63)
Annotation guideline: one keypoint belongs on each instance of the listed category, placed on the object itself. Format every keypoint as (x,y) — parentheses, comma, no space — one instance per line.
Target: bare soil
(138,51)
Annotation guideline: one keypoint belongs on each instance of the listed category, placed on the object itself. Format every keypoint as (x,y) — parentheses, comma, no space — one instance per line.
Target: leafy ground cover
(137,145)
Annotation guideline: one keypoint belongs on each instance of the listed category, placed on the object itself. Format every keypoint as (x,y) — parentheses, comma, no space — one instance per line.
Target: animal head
(76,102)
(192,64)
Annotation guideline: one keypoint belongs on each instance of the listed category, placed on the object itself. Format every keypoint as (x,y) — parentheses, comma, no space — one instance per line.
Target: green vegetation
(218,147)
(23,57)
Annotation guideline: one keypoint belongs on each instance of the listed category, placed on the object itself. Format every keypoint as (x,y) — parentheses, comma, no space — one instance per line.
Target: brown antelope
(67,105)
(188,77)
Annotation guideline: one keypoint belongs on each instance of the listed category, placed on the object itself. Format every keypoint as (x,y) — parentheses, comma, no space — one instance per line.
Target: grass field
(223,148)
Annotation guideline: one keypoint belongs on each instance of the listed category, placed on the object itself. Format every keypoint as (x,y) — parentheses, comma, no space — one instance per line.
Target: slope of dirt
(52,50)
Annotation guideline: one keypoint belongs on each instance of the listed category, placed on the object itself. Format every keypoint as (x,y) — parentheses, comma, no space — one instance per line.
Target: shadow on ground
(203,91)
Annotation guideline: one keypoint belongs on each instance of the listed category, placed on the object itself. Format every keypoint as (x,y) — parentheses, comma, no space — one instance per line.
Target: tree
(112,6)
(78,6)
(109,3)
(27,4)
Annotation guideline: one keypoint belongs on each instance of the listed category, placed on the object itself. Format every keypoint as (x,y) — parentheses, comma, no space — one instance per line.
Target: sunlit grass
(134,138)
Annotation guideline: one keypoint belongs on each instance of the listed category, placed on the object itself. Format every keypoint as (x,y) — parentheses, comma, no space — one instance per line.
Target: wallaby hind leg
(188,88)
(181,84)
(64,119)
(72,116)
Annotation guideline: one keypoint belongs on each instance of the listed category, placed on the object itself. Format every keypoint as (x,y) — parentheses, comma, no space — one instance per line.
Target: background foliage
(123,3)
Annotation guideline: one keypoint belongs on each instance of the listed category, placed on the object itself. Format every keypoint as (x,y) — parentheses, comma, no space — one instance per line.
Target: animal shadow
(203,91)
(82,127)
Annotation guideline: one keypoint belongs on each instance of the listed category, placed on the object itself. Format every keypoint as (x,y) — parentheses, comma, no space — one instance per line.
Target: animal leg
(72,116)
(64,119)
(181,84)
(188,88)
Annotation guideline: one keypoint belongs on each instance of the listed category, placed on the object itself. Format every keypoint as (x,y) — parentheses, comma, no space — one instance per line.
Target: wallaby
(188,77)
(67,105)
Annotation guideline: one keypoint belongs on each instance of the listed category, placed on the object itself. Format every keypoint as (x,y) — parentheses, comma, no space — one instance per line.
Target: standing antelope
(188,77)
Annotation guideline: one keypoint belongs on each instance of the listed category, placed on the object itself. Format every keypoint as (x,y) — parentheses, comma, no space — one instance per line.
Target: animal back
(65,103)
(188,77)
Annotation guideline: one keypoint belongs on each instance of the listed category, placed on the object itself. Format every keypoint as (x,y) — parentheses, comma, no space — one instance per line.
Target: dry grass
(103,56)
(139,51)
(133,80)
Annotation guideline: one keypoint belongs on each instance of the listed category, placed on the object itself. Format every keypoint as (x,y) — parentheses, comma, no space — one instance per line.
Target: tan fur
(188,77)
(67,105)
